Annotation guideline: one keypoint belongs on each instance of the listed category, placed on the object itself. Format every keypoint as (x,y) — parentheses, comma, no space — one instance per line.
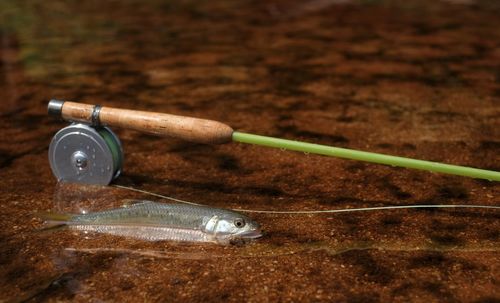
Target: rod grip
(160,124)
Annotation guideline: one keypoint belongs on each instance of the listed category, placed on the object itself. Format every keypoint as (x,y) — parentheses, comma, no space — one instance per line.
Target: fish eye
(239,222)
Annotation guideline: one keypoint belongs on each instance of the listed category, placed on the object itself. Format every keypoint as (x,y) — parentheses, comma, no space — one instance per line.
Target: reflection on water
(257,250)
(84,198)
(81,199)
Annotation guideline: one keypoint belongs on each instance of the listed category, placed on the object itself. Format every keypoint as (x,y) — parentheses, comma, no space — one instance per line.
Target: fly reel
(82,153)
(88,152)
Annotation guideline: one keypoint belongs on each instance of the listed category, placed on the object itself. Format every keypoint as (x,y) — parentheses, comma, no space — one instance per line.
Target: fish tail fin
(54,220)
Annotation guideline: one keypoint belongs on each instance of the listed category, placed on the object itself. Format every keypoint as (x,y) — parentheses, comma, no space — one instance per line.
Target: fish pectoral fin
(52,226)
(58,218)
(53,221)
(133,202)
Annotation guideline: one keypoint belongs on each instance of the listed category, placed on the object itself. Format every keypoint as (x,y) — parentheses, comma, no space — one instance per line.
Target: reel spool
(80,153)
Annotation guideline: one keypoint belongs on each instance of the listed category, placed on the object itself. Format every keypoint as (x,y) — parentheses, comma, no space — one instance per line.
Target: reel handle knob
(166,125)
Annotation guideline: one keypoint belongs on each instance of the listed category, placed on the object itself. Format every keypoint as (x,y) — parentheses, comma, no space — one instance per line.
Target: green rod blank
(366,156)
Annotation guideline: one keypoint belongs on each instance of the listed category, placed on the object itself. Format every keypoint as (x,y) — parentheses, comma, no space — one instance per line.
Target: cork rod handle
(166,125)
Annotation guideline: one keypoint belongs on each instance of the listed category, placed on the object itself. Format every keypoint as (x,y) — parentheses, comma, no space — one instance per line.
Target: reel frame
(81,153)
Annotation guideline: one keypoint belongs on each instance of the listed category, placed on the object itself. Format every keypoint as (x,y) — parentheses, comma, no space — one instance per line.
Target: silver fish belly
(154,221)
(148,233)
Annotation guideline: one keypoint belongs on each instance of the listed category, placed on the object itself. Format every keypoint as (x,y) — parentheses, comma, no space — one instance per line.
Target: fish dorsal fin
(134,203)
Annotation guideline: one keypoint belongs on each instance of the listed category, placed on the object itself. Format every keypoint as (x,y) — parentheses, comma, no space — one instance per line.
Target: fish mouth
(251,234)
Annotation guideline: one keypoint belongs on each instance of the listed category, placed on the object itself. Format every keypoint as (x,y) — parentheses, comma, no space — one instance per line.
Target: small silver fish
(154,221)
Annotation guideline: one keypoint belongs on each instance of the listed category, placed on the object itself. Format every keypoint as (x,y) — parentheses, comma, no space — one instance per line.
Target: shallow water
(418,79)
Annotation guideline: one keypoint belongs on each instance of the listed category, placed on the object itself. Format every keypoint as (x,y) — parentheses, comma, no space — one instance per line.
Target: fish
(154,221)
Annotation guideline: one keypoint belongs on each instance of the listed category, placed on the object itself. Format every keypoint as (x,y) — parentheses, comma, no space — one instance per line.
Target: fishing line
(305,212)
(365,209)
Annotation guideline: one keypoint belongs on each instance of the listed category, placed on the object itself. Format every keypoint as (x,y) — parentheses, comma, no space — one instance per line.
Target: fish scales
(154,221)
(148,212)
(149,233)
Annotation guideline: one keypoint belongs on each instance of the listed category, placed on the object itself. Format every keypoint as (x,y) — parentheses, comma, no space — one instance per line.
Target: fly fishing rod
(88,151)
